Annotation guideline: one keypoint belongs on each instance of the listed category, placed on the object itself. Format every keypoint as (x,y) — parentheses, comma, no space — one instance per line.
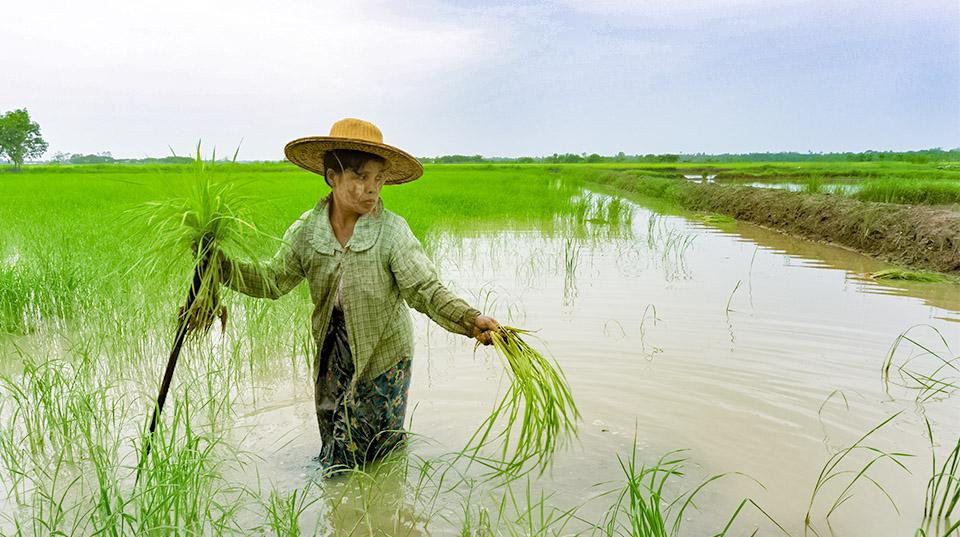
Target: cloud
(211,62)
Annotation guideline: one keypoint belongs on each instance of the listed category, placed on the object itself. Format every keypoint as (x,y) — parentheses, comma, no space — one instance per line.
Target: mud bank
(916,236)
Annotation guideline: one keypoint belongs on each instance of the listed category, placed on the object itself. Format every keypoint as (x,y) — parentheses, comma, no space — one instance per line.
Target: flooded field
(745,353)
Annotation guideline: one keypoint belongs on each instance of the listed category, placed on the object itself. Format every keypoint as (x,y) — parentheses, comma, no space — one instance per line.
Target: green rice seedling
(284,510)
(534,517)
(538,400)
(909,275)
(571,261)
(943,488)
(181,490)
(211,218)
(32,290)
(928,372)
(649,312)
(476,528)
(834,471)
(643,508)
(671,242)
(814,185)
(479,526)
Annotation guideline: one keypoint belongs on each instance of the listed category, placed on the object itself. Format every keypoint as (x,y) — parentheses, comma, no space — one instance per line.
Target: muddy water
(753,352)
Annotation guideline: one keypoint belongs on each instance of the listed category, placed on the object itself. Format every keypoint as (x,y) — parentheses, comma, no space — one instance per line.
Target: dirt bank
(916,236)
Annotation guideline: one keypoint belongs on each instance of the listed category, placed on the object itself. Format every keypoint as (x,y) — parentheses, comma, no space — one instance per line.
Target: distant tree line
(918,157)
(922,156)
(106,158)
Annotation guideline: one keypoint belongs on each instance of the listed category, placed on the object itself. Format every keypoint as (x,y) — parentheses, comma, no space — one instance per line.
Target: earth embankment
(921,237)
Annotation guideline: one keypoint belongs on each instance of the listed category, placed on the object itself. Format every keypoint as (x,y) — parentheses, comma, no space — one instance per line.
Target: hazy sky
(497,78)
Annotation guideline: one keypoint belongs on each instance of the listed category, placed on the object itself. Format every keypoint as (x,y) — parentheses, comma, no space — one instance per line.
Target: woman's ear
(328,177)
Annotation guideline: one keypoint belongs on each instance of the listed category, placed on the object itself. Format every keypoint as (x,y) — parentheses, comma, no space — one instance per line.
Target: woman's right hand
(483,329)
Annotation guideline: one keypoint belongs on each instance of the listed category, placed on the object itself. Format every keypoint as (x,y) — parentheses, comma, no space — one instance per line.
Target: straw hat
(360,135)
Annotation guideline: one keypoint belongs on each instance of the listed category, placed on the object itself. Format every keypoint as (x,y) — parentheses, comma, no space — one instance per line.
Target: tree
(20,138)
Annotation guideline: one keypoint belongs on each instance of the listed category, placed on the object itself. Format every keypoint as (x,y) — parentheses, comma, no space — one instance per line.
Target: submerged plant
(538,399)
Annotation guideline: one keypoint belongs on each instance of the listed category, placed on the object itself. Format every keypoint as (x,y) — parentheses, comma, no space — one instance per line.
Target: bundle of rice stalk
(213,216)
(537,411)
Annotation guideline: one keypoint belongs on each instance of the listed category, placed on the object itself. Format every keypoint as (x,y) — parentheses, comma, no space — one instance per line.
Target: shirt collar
(365,231)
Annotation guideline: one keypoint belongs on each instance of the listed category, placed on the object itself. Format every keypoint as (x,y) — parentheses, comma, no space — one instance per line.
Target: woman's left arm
(421,288)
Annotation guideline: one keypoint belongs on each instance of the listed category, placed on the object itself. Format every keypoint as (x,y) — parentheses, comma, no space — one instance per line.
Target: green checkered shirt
(382,265)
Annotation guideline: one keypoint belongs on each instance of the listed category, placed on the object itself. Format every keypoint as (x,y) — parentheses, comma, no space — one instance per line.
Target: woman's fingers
(485,322)
(485,337)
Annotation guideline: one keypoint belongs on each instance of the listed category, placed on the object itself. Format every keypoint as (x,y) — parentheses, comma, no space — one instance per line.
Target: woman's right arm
(267,280)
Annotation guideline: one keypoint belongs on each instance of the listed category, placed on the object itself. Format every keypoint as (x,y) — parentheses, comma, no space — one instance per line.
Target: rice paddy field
(933,183)
(730,380)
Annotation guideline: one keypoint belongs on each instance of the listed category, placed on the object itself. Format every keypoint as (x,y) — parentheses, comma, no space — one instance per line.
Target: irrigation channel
(758,355)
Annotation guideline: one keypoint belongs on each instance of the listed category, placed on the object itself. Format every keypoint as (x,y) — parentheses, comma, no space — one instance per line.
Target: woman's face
(357,192)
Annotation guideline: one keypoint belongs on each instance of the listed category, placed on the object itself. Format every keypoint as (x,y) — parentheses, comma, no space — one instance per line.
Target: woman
(362,263)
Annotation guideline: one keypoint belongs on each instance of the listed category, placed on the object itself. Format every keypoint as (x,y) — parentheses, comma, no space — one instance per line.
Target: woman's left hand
(483,329)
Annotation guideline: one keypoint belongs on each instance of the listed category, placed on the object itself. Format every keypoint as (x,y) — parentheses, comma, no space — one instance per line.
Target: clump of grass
(909,275)
(538,399)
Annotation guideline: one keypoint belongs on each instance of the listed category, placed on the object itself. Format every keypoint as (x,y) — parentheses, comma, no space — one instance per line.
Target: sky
(493,78)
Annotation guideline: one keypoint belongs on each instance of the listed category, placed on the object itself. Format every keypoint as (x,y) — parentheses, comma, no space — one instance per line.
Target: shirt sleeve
(421,288)
(267,280)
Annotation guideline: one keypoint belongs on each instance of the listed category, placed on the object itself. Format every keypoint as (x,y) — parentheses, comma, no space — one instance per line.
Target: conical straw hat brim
(308,153)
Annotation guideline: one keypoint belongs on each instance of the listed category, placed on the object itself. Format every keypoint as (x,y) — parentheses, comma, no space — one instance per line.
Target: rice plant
(538,400)
(834,470)
(181,490)
(928,372)
(644,508)
(943,488)
(212,217)
(284,510)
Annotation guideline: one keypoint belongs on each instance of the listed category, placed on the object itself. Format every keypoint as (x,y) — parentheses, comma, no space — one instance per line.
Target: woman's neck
(342,222)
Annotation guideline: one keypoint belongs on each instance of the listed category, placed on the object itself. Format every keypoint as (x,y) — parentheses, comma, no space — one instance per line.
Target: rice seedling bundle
(210,218)
(908,275)
(538,410)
